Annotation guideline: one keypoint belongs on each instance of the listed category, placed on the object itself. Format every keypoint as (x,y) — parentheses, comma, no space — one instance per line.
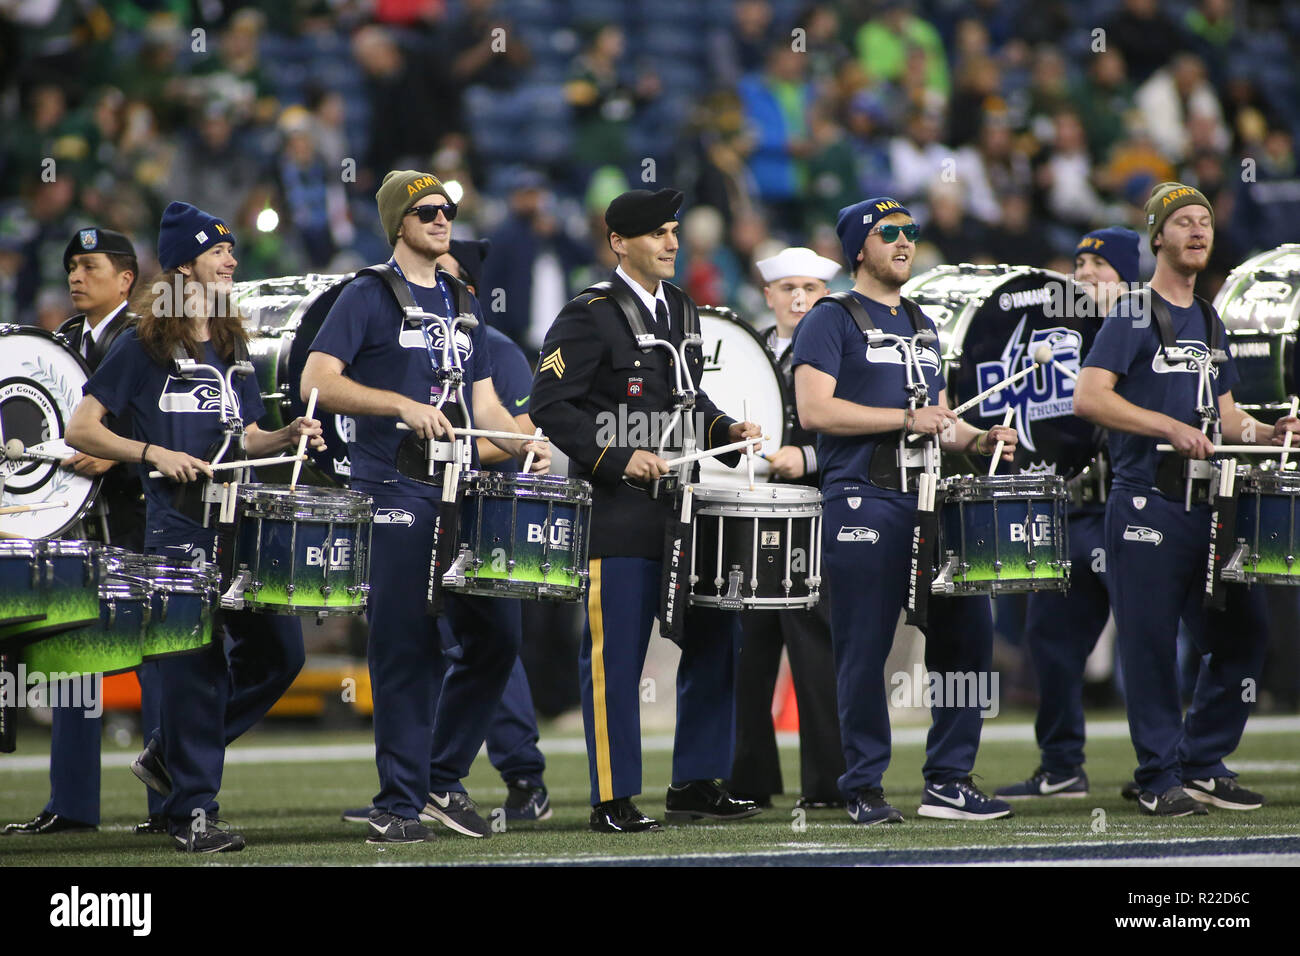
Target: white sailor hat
(797,261)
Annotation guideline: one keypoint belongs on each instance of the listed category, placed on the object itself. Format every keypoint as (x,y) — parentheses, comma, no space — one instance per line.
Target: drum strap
(631,309)
(674,589)
(862,319)
(402,292)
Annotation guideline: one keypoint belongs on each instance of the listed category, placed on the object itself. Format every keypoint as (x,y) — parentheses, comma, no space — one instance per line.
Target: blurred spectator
(917,157)
(1066,176)
(832,174)
(210,170)
(1211,28)
(717,140)
(776,104)
(44,123)
(826,51)
(154,77)
(603,105)
(1102,99)
(1146,36)
(884,41)
(486,48)
(978,92)
(1269,207)
(1014,240)
(1171,97)
(315,204)
(37,226)
(1049,91)
(711,271)
(264,253)
(958,235)
(992,167)
(1135,164)
(868,127)
(741,47)
(233,72)
(330,127)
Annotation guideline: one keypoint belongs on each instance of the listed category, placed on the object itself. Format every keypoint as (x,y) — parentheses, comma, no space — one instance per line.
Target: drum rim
(328,502)
(790,493)
(959,483)
(551,487)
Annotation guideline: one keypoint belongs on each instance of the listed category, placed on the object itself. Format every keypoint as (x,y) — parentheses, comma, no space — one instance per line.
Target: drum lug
(943,581)
(1234,568)
(112,612)
(233,599)
(326,591)
(1031,565)
(454,576)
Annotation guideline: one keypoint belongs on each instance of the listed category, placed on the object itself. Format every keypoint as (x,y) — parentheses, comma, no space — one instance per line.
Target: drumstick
(528,460)
(1237,449)
(1042,355)
(1286,442)
(250,463)
(749,449)
(302,442)
(997,452)
(720,450)
(485,433)
(24,509)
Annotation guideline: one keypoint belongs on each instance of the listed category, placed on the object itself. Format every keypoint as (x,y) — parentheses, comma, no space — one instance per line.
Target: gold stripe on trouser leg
(600,719)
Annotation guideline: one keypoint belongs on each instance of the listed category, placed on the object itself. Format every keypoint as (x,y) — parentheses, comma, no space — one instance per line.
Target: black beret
(96,240)
(640,211)
(470,253)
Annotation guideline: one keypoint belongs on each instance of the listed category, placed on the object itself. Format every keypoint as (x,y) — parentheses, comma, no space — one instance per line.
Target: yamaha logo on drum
(1026,299)
(340,555)
(561,535)
(1047,393)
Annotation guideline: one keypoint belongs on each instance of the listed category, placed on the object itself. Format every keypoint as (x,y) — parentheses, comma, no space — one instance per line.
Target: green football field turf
(289,811)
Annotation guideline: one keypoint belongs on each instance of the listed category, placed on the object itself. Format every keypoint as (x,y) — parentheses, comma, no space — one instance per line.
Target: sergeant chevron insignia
(553,363)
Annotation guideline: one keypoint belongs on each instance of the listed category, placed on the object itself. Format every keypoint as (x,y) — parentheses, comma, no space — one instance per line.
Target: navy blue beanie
(186,232)
(856,221)
(1116,245)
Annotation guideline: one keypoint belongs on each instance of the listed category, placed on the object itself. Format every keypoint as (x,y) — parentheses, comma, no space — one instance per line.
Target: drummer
(205,702)
(854,397)
(794,279)
(1156,545)
(1062,627)
(368,364)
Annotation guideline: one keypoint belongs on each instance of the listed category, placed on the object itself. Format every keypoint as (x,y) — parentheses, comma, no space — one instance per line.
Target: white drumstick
(1042,355)
(1236,449)
(528,459)
(720,450)
(24,509)
(997,452)
(485,433)
(302,441)
(1286,442)
(749,449)
(250,463)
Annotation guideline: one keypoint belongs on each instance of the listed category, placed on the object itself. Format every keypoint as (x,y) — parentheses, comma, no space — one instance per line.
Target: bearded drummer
(1156,543)
(854,396)
(205,702)
(591,369)
(371,362)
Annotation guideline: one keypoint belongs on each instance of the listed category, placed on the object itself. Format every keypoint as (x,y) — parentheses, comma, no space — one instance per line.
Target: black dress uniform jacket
(119,488)
(590,365)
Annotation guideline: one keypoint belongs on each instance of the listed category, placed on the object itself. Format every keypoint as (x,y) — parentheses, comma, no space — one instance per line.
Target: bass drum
(739,368)
(40,385)
(1260,307)
(282,317)
(991,321)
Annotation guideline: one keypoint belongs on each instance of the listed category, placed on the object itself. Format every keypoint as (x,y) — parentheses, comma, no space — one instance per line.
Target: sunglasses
(890,232)
(430,212)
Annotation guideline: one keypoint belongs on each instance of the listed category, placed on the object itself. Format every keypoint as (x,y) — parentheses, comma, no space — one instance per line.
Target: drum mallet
(302,441)
(1042,355)
(15,450)
(1286,442)
(997,451)
(24,509)
(528,459)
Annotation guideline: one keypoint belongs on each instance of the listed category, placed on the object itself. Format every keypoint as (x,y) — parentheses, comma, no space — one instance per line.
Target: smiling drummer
(855,398)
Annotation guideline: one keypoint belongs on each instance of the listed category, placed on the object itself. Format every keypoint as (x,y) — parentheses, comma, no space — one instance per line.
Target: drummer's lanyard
(435,354)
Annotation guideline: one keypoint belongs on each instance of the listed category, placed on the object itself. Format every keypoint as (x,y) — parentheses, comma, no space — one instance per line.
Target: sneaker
(960,800)
(46,823)
(149,767)
(1223,792)
(155,825)
(1174,802)
(526,802)
(214,838)
(387,828)
(1046,784)
(359,815)
(705,800)
(1130,790)
(457,812)
(869,807)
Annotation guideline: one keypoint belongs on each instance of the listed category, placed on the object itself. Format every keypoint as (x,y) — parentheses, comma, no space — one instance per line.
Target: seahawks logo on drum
(183,396)
(1045,393)
(869,535)
(394,516)
(1143,535)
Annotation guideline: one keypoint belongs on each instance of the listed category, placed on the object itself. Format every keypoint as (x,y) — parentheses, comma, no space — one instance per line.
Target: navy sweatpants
(427,730)
(1061,629)
(622,604)
(871,573)
(209,699)
(1155,571)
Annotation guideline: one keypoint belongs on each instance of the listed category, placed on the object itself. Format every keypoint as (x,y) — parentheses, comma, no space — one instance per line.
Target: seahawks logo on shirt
(192,395)
(414,339)
(893,355)
(1198,351)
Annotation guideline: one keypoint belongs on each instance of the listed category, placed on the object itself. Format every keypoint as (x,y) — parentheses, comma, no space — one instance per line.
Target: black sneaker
(1045,784)
(1174,802)
(457,812)
(214,838)
(386,828)
(869,807)
(526,802)
(1223,792)
(149,767)
(961,800)
(705,800)
(620,816)
(359,815)
(46,823)
(1130,790)
(155,825)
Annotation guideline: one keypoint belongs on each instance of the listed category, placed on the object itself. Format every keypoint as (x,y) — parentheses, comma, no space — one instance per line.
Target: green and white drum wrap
(114,643)
(307,551)
(181,600)
(1266,551)
(47,587)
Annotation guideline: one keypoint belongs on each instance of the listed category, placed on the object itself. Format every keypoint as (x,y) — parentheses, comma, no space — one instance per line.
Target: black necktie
(661,315)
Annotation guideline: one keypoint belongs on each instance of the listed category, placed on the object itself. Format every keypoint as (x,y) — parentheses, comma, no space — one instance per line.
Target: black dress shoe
(156,825)
(803,803)
(46,823)
(762,801)
(620,816)
(704,799)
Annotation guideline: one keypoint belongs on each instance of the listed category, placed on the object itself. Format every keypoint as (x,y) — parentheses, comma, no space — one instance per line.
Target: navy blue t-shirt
(1129,345)
(513,380)
(364,329)
(174,413)
(830,341)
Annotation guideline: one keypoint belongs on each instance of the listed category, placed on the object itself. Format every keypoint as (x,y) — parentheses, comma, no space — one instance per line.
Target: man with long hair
(206,701)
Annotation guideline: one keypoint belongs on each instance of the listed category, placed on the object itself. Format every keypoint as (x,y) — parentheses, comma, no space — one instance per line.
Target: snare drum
(114,643)
(1266,529)
(48,586)
(181,600)
(1003,533)
(305,551)
(523,536)
(756,550)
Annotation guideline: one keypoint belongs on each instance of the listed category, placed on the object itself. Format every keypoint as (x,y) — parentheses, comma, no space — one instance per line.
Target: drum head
(738,368)
(283,317)
(40,385)
(991,320)
(1260,307)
